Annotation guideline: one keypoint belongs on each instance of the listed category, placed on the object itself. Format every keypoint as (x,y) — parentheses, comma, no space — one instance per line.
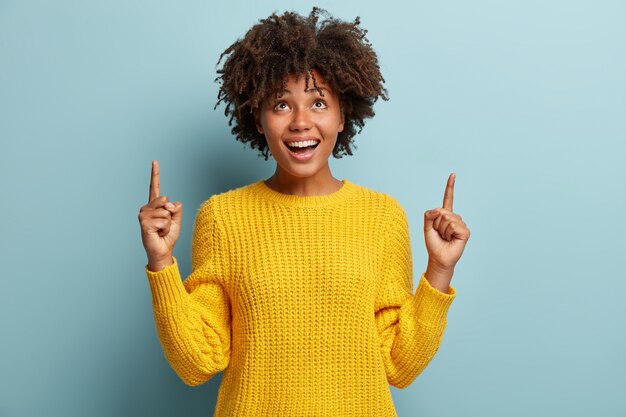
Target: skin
(297,113)
(305,113)
(445,235)
(160,222)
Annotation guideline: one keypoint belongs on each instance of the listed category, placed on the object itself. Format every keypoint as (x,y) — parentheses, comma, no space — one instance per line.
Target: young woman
(302,284)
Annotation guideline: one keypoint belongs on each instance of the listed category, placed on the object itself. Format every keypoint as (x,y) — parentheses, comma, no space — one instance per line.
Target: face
(301,127)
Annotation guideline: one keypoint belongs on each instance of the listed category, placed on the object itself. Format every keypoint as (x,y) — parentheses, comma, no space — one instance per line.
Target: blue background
(524,100)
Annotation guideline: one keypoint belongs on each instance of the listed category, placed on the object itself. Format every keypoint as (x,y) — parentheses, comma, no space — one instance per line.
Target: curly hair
(279,46)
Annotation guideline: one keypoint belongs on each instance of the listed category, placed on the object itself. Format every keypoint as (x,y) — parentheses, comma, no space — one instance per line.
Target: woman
(301,289)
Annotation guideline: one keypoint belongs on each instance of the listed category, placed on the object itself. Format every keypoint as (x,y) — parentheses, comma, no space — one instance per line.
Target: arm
(193,318)
(410,325)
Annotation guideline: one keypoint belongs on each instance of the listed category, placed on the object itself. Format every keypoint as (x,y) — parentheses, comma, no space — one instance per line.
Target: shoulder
(385,208)
(230,196)
(390,204)
(224,200)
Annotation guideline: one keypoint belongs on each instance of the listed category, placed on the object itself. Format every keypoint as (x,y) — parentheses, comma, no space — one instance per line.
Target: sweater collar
(344,193)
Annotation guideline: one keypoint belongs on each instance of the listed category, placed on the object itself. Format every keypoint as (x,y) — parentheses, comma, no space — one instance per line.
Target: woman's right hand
(160,224)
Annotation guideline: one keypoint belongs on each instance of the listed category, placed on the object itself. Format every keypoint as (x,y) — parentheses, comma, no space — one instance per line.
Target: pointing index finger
(448,195)
(155,182)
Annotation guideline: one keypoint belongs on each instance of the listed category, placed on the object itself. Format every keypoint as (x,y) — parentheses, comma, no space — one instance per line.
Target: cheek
(272,134)
(265,126)
(333,125)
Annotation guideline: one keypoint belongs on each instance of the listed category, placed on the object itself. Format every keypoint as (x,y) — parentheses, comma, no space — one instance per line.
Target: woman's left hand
(446,234)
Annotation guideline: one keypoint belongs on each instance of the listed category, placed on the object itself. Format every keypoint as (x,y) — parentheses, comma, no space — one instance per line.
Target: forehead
(296,84)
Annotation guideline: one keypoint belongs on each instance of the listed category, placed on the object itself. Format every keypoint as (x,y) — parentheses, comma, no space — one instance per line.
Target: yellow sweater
(306,303)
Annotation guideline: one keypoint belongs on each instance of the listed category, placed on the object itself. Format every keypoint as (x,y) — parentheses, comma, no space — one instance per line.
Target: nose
(300,120)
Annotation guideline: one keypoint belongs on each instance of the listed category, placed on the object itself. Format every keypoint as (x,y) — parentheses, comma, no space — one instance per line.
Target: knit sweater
(305,302)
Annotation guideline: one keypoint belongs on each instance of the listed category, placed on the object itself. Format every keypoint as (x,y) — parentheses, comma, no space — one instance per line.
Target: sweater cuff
(433,304)
(166,286)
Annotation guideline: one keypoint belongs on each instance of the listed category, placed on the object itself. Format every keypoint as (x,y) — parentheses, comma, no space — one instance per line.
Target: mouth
(302,149)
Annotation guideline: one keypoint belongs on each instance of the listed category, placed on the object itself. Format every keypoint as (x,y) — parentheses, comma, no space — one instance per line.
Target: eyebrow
(310,90)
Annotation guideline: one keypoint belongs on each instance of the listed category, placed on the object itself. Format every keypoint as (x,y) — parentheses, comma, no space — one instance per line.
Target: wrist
(439,277)
(158,265)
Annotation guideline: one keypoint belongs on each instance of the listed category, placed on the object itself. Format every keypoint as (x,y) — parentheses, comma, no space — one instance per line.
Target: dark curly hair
(278,46)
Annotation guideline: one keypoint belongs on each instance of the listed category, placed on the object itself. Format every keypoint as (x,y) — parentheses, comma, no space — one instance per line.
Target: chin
(302,172)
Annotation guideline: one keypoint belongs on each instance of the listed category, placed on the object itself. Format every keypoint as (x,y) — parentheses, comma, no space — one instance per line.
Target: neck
(322,183)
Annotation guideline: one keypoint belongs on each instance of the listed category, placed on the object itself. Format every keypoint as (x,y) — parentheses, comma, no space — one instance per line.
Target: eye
(281,105)
(319,104)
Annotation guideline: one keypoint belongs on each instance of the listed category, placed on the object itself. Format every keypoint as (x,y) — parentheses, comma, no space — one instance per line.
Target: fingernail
(169,206)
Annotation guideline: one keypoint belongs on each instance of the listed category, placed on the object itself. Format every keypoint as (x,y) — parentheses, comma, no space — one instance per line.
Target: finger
(461,232)
(437,222)
(155,181)
(164,228)
(159,225)
(160,201)
(177,215)
(161,213)
(429,217)
(443,215)
(154,224)
(450,229)
(442,223)
(448,195)
(149,215)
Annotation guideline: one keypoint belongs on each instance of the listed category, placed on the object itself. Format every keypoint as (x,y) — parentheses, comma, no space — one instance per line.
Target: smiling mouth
(299,150)
(303,146)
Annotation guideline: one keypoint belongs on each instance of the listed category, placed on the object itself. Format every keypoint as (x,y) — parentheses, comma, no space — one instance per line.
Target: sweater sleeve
(193,318)
(410,325)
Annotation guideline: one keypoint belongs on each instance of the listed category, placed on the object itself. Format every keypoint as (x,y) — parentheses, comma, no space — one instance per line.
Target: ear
(341,122)
(257,120)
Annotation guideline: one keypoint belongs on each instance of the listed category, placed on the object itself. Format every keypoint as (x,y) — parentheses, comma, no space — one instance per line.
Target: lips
(301,139)
(303,154)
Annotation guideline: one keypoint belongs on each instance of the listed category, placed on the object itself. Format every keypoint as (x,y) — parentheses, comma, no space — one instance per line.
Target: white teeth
(303,144)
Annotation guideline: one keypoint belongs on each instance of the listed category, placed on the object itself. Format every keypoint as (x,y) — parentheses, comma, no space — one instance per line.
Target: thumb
(177,216)
(429,218)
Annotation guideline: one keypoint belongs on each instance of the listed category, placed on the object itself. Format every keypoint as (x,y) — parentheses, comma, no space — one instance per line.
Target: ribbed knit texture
(306,303)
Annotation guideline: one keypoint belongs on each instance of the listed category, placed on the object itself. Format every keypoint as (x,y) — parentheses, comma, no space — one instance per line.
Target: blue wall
(524,100)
